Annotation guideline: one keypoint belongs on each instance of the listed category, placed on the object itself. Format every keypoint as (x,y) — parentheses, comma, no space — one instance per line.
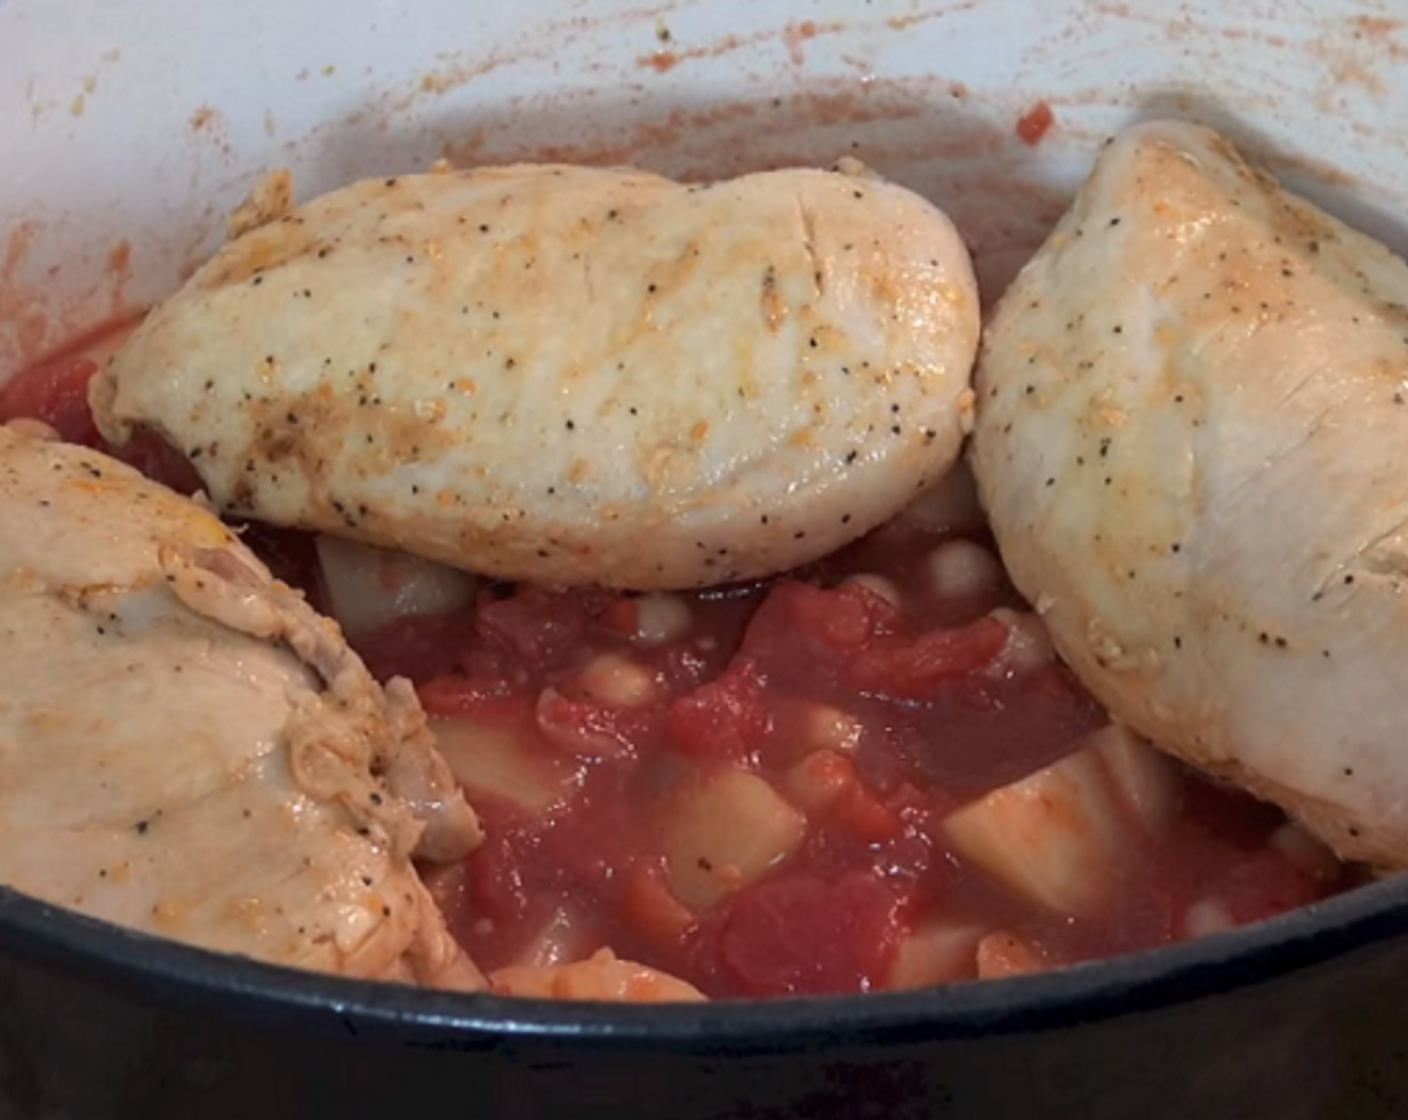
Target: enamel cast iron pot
(130,128)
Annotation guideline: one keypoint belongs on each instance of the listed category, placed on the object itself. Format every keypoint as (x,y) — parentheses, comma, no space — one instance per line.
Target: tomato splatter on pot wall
(1035,123)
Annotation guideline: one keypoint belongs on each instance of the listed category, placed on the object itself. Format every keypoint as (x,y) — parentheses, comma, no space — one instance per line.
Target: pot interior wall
(132,127)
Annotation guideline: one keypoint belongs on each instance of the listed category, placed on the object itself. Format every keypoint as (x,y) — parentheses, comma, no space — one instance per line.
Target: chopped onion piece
(832,728)
(1208,915)
(1054,836)
(660,618)
(369,587)
(876,585)
(1147,780)
(1001,954)
(580,729)
(728,832)
(962,569)
(617,681)
(935,953)
(1305,853)
(494,763)
(819,779)
(1028,645)
(558,940)
(950,505)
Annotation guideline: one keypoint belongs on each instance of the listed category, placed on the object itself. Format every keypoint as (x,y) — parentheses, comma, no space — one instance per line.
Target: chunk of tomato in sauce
(725,719)
(534,626)
(804,636)
(798,934)
(1266,884)
(590,730)
(911,668)
(55,391)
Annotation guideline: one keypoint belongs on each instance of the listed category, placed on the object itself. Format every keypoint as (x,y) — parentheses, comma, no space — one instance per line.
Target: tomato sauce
(870,719)
(753,787)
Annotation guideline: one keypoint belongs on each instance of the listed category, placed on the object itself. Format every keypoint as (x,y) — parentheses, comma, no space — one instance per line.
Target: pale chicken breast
(571,375)
(1192,441)
(188,749)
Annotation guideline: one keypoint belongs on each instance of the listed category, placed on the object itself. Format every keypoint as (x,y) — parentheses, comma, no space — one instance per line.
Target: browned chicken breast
(188,749)
(1192,441)
(568,374)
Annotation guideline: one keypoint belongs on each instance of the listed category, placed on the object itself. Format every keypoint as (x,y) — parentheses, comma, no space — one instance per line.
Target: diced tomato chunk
(590,730)
(56,392)
(621,616)
(802,636)
(1266,884)
(859,813)
(803,633)
(910,668)
(724,719)
(421,647)
(800,935)
(848,616)
(536,626)
(1035,123)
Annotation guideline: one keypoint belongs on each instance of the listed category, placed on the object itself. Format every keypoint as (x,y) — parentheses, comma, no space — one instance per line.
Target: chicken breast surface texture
(571,375)
(1192,441)
(188,749)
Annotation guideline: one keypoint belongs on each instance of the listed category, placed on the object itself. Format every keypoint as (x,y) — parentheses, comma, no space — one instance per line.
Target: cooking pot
(132,127)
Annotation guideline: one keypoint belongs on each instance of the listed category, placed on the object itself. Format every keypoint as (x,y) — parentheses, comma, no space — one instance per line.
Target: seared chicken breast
(571,375)
(186,748)
(1192,441)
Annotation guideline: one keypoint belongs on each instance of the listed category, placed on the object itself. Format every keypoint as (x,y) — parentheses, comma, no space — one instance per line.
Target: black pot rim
(145,968)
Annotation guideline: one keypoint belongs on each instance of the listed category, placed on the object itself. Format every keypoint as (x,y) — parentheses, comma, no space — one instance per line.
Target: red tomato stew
(871,774)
